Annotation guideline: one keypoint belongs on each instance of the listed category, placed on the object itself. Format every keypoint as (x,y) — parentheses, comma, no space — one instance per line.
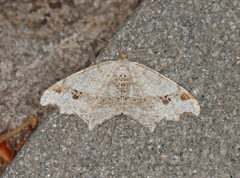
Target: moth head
(123,56)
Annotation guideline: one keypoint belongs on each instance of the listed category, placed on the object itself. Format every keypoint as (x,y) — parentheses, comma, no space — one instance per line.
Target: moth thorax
(122,82)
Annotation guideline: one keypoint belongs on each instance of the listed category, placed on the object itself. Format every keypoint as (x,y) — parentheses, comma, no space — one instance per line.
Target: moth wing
(153,97)
(89,93)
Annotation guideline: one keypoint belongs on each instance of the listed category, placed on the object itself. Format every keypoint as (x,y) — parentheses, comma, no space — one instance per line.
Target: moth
(111,88)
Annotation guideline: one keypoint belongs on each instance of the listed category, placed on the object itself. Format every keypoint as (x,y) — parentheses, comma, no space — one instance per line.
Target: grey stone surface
(201,41)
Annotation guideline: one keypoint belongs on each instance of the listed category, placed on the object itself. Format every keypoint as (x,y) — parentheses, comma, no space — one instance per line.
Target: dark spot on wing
(75,94)
(75,97)
(165,101)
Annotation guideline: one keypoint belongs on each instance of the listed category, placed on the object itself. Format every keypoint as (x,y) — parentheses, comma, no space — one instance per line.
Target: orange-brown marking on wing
(184,96)
(58,90)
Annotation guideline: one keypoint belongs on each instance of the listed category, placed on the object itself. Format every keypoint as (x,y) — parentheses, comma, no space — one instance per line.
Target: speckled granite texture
(201,42)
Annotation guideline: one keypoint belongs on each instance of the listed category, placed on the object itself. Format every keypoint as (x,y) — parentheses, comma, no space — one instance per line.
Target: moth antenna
(144,50)
(105,43)
(140,59)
